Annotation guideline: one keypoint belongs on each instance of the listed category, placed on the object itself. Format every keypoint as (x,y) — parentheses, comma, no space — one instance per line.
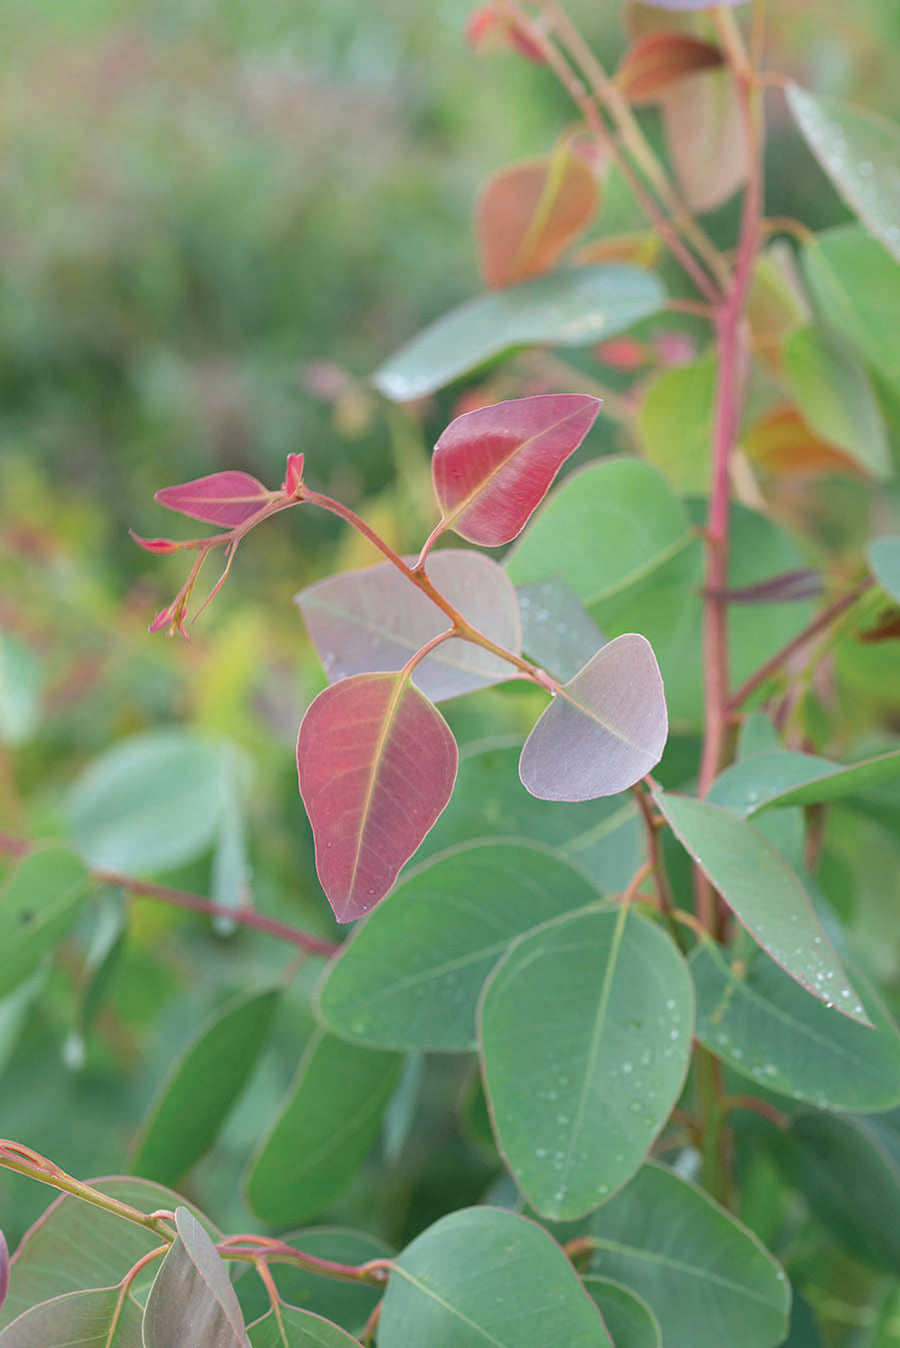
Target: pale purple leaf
(192,1293)
(228,499)
(603,731)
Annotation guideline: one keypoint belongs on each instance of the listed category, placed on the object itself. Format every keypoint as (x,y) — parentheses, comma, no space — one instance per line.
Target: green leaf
(860,152)
(585,1030)
(604,838)
(856,285)
(708,1280)
(607,527)
(348,1304)
(76,1245)
(38,905)
(557,633)
(481,1277)
(765,894)
(21,683)
(675,424)
(884,559)
(294,1328)
(836,397)
(630,1321)
(325,1129)
(99,1318)
(202,1087)
(785,778)
(410,976)
(756,1018)
(192,1293)
(564,308)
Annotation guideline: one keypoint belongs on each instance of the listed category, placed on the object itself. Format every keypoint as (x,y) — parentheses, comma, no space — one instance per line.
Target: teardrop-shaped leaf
(484,1276)
(786,778)
(376,763)
(491,468)
(228,498)
(528,214)
(856,285)
(410,977)
(604,730)
(860,152)
(836,397)
(765,894)
(324,1131)
(707,1278)
(557,632)
(372,621)
(884,559)
(99,1318)
(38,905)
(658,60)
(578,1095)
(202,1087)
(757,1019)
(630,1321)
(291,1327)
(192,1294)
(566,308)
(706,137)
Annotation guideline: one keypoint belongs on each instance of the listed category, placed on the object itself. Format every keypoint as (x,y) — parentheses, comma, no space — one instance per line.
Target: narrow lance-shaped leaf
(100,1318)
(376,763)
(492,467)
(604,730)
(192,1293)
(658,60)
(785,778)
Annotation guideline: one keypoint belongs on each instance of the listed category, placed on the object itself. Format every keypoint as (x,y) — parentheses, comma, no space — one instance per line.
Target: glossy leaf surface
(707,1279)
(295,1328)
(324,1131)
(557,632)
(566,308)
(604,730)
(658,60)
(192,1294)
(376,764)
(202,1087)
(491,468)
(528,214)
(372,621)
(585,1030)
(757,1019)
(484,1276)
(89,1319)
(629,1319)
(39,903)
(786,778)
(411,975)
(860,152)
(856,286)
(884,559)
(836,397)
(228,499)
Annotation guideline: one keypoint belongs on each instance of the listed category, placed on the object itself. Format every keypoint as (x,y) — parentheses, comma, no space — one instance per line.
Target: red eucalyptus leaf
(487,29)
(159,545)
(228,498)
(293,474)
(659,59)
(377,763)
(603,731)
(492,468)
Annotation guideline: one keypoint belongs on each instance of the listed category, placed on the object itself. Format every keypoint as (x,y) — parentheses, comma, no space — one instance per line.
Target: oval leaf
(567,308)
(372,621)
(604,730)
(491,468)
(706,137)
(658,60)
(192,1293)
(629,1320)
(324,1131)
(38,905)
(410,976)
(765,894)
(836,397)
(483,1276)
(860,152)
(577,1097)
(229,498)
(100,1318)
(376,763)
(527,215)
(294,1328)
(707,1278)
(756,1018)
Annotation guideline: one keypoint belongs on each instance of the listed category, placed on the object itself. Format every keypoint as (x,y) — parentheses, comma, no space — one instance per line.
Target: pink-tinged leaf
(4,1268)
(604,730)
(372,621)
(293,474)
(492,468)
(377,763)
(706,137)
(486,30)
(160,545)
(229,499)
(660,59)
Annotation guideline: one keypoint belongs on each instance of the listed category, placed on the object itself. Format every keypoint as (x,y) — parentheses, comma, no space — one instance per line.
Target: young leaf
(629,1319)
(38,905)
(566,308)
(884,559)
(202,1087)
(484,1276)
(783,444)
(528,214)
(229,499)
(835,395)
(604,730)
(376,763)
(192,1293)
(295,1328)
(99,1318)
(658,60)
(860,152)
(491,468)
(765,894)
(757,1019)
(708,1280)
(410,976)
(577,1097)
(372,621)
(324,1131)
